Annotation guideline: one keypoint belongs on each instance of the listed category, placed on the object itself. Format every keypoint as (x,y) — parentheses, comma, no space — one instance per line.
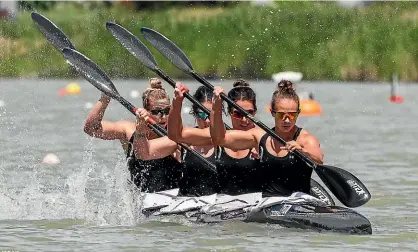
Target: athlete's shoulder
(307,138)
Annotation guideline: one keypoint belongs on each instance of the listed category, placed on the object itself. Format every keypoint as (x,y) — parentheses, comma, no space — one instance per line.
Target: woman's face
(202,119)
(238,120)
(159,110)
(285,112)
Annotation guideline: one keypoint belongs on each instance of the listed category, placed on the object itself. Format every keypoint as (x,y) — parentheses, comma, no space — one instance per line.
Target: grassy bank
(322,40)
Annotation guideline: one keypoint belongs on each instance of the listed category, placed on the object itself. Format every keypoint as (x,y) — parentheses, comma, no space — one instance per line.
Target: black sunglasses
(160,112)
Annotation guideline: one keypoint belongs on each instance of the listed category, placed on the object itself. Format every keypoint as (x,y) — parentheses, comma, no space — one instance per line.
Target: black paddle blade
(348,189)
(51,32)
(167,48)
(132,44)
(91,71)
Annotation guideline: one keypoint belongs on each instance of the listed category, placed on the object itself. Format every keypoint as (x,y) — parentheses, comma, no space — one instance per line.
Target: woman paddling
(280,172)
(151,172)
(235,168)
(198,179)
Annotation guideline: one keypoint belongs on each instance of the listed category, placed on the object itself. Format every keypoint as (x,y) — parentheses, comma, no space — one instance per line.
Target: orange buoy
(310,107)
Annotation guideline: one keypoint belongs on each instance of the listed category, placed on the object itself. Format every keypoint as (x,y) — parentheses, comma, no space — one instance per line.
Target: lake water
(83,203)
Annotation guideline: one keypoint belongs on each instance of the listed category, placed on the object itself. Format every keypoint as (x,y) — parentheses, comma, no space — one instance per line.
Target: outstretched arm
(176,131)
(146,149)
(232,139)
(96,127)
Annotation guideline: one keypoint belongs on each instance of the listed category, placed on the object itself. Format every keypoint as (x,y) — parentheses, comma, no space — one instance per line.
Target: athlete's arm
(152,149)
(232,139)
(176,131)
(95,126)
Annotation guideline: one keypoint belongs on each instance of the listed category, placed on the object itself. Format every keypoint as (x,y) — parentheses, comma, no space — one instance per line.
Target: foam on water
(119,204)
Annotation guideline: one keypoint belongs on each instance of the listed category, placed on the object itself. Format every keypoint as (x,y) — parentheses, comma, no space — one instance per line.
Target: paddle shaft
(162,132)
(305,158)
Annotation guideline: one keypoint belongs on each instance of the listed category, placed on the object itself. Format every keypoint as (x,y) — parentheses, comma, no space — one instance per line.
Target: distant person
(150,172)
(311,96)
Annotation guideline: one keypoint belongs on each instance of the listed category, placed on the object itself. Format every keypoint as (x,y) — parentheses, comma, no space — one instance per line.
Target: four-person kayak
(296,211)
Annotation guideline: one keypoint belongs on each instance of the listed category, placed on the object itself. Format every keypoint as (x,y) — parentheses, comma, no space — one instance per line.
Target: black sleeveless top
(153,175)
(198,179)
(237,175)
(281,176)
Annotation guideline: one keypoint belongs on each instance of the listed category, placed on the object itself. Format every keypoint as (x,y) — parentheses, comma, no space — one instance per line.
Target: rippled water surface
(84,203)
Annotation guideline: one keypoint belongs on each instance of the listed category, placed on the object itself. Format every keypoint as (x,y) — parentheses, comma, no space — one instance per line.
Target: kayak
(299,210)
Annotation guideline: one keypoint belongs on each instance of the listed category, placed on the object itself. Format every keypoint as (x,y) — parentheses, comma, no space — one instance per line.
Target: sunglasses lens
(283,115)
(161,112)
(202,115)
(237,115)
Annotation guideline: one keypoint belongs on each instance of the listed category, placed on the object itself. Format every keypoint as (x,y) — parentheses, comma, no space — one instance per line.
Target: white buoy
(51,159)
(2,103)
(134,94)
(289,75)
(88,105)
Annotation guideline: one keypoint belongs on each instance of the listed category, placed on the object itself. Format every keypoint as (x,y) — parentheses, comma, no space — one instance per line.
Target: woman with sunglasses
(280,173)
(153,168)
(197,179)
(235,168)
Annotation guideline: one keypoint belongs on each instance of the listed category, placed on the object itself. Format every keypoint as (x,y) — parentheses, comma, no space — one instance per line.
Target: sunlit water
(85,202)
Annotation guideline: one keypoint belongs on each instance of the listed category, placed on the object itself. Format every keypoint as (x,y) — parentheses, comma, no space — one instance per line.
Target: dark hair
(202,94)
(284,90)
(241,91)
(155,91)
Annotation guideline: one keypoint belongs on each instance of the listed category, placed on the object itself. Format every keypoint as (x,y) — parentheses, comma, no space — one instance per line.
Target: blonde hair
(155,91)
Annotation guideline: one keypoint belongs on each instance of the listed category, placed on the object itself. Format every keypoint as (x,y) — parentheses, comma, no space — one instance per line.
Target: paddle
(143,54)
(345,186)
(96,76)
(51,32)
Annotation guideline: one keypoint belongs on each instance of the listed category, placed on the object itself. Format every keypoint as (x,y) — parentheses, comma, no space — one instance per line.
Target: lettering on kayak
(285,208)
(356,187)
(320,195)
